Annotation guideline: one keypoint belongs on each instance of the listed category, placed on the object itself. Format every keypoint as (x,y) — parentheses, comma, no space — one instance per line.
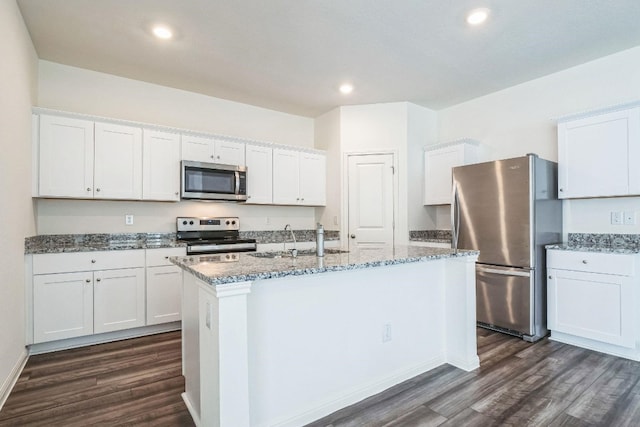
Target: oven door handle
(237,182)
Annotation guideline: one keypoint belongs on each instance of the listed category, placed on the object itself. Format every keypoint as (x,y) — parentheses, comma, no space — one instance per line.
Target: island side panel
(191,345)
(318,343)
(460,307)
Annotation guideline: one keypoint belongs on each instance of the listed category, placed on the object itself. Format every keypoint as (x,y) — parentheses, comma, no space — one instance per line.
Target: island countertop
(240,267)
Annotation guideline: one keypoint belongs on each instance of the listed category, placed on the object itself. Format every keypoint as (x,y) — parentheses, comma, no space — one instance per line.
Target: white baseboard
(47,347)
(356,394)
(11,380)
(465,365)
(614,350)
(192,411)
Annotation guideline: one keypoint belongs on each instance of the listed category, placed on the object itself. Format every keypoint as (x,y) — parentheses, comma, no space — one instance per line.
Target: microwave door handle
(237,182)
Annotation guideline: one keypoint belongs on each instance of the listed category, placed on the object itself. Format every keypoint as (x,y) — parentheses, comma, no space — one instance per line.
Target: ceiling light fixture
(346,88)
(477,16)
(162,32)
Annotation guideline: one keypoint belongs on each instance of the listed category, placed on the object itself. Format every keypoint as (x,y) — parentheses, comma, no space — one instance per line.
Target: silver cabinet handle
(584,261)
(213,157)
(550,277)
(98,280)
(561,190)
(176,193)
(93,261)
(88,188)
(218,157)
(353,236)
(88,280)
(97,189)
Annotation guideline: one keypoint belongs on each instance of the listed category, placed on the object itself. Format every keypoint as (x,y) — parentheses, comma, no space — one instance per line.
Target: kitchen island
(282,341)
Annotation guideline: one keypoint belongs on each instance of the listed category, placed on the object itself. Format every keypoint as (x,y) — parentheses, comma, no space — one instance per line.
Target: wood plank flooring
(130,382)
(139,381)
(517,384)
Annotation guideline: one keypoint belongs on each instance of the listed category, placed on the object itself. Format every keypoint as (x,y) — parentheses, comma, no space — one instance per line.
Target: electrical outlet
(629,218)
(386,332)
(616,218)
(128,219)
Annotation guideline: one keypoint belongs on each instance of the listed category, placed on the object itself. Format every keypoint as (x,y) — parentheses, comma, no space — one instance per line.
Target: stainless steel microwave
(213,181)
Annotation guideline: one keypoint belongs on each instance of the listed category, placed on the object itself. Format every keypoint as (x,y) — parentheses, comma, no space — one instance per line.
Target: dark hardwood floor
(517,384)
(130,382)
(139,381)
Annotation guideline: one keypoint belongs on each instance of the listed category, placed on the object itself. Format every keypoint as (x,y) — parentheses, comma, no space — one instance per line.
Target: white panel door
(197,149)
(62,306)
(437,182)
(164,294)
(259,174)
(313,179)
(593,154)
(119,299)
(592,305)
(371,201)
(229,152)
(118,162)
(286,177)
(65,157)
(160,166)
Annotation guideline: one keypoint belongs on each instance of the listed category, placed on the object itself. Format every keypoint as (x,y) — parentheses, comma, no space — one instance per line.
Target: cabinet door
(259,174)
(286,177)
(161,166)
(62,306)
(594,153)
(197,149)
(119,299)
(437,173)
(118,162)
(313,179)
(229,152)
(591,305)
(164,294)
(65,157)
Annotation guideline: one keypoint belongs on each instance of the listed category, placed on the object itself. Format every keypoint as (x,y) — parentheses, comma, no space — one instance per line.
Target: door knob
(353,236)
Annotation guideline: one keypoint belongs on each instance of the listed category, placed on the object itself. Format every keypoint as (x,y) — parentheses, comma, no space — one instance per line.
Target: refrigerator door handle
(455,216)
(505,272)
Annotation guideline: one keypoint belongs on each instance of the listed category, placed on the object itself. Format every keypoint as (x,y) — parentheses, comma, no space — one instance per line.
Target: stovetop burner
(212,235)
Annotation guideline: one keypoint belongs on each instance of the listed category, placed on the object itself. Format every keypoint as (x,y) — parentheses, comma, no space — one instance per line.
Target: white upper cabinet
(313,179)
(598,155)
(438,161)
(259,174)
(80,159)
(117,162)
(65,157)
(299,178)
(160,166)
(212,150)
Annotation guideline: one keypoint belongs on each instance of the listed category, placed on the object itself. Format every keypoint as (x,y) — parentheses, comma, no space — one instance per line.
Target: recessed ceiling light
(346,88)
(477,16)
(162,32)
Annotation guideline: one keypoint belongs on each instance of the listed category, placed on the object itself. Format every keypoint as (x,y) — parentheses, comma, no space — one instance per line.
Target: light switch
(616,218)
(128,219)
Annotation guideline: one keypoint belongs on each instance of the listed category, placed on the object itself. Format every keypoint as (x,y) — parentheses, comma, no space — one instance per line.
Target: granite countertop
(604,243)
(63,243)
(249,267)
(433,236)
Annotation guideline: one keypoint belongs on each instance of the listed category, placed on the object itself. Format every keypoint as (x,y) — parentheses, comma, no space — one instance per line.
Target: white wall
(18,74)
(327,137)
(519,120)
(78,90)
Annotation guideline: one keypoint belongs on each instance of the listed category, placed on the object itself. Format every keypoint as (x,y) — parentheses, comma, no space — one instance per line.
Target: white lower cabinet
(593,300)
(118,300)
(164,286)
(62,306)
(85,293)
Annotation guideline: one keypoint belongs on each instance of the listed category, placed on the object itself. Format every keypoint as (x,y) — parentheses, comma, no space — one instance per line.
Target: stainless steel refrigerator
(508,210)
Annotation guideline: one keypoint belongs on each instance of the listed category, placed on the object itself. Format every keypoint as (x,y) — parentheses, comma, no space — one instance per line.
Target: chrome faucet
(294,251)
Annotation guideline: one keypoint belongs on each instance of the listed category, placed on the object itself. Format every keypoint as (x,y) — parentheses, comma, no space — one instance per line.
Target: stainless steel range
(212,235)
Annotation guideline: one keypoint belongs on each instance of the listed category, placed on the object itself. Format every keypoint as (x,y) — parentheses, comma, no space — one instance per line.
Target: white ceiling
(291,55)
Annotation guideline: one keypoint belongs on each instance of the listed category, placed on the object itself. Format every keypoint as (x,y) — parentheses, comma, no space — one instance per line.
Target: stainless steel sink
(301,253)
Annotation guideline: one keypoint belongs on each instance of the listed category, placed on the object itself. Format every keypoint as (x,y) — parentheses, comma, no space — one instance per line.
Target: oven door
(213,181)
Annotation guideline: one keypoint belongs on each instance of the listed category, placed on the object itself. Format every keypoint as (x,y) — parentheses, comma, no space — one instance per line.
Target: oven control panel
(207,223)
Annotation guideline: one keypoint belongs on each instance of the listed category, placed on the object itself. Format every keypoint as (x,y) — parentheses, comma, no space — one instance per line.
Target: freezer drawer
(504,297)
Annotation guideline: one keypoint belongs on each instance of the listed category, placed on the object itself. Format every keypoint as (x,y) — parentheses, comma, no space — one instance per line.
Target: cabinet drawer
(159,257)
(618,264)
(87,261)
